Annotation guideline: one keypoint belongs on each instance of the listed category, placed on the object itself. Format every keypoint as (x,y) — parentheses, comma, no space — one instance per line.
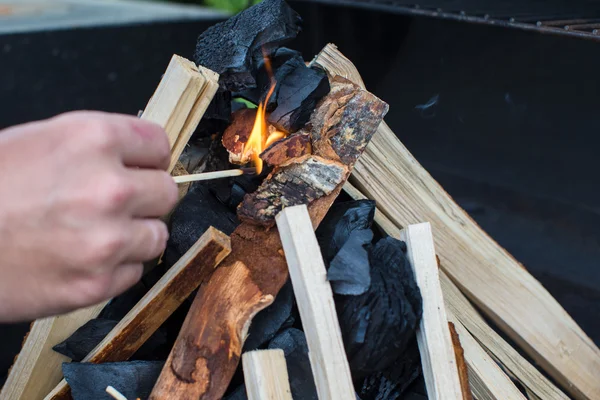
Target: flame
(260,138)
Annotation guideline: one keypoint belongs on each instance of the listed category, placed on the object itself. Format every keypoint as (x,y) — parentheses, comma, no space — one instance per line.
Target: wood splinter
(158,304)
(315,302)
(266,375)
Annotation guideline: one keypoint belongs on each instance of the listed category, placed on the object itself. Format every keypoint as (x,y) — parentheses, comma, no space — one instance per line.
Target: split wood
(468,317)
(207,350)
(266,375)
(158,304)
(487,274)
(433,335)
(180,101)
(315,302)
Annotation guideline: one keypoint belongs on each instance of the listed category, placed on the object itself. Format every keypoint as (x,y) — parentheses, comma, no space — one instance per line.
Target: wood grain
(315,302)
(266,375)
(485,272)
(438,360)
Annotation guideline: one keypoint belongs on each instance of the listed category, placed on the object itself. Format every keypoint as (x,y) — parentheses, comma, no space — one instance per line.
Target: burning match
(214,175)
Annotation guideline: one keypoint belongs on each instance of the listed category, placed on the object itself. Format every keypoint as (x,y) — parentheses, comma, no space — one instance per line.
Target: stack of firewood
(378,307)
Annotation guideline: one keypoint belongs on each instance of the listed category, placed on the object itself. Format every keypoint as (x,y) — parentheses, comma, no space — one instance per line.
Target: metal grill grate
(570,18)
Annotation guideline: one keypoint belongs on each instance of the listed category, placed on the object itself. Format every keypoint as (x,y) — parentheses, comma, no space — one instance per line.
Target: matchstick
(315,302)
(266,375)
(213,175)
(115,393)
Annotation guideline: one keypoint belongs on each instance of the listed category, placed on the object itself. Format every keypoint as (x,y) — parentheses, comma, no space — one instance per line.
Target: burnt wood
(208,348)
(282,151)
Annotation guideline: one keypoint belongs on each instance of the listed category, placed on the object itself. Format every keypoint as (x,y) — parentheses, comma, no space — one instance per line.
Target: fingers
(123,277)
(147,240)
(137,143)
(155,193)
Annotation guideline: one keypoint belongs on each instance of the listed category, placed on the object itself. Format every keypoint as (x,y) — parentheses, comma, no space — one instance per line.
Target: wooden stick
(266,375)
(464,314)
(115,393)
(461,364)
(37,368)
(487,273)
(315,303)
(158,304)
(486,379)
(211,175)
(433,336)
(180,100)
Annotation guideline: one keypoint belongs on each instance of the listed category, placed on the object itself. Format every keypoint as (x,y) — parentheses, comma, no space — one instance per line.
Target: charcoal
(133,379)
(341,219)
(268,322)
(232,48)
(349,270)
(216,117)
(393,382)
(264,80)
(238,394)
(297,94)
(293,343)
(88,336)
(417,390)
(196,212)
(118,307)
(378,325)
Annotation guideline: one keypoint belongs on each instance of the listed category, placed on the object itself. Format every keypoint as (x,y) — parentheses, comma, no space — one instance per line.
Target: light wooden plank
(37,368)
(486,273)
(180,100)
(433,336)
(158,304)
(266,375)
(315,303)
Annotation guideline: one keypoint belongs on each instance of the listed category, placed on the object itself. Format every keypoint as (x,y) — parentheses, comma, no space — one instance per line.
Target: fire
(260,138)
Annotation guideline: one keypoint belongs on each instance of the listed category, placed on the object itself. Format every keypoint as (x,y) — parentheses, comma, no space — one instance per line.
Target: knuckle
(104,249)
(115,193)
(100,134)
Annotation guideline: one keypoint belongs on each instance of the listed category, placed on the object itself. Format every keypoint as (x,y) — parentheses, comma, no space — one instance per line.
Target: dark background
(506,120)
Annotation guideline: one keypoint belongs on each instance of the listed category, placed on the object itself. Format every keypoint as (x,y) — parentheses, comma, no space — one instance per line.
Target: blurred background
(498,100)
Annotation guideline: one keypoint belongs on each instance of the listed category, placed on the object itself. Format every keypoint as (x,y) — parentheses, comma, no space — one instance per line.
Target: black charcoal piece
(238,394)
(341,219)
(378,325)
(293,343)
(233,47)
(349,270)
(88,336)
(132,379)
(393,382)
(268,322)
(196,212)
(297,94)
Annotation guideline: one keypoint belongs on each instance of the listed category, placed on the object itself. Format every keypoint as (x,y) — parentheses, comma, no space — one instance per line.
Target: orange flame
(260,138)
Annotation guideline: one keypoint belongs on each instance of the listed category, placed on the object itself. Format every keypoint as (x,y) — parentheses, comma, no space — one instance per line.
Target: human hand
(80,197)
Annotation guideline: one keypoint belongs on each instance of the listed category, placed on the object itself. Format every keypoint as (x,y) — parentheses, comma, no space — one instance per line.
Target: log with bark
(207,351)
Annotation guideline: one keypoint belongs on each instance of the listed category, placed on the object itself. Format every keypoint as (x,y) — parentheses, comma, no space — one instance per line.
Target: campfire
(283,277)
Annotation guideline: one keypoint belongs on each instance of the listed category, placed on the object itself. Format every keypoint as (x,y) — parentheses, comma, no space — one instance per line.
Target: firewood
(266,375)
(158,304)
(315,303)
(282,151)
(487,380)
(237,133)
(180,101)
(459,355)
(433,335)
(37,367)
(208,349)
(491,277)
(463,314)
